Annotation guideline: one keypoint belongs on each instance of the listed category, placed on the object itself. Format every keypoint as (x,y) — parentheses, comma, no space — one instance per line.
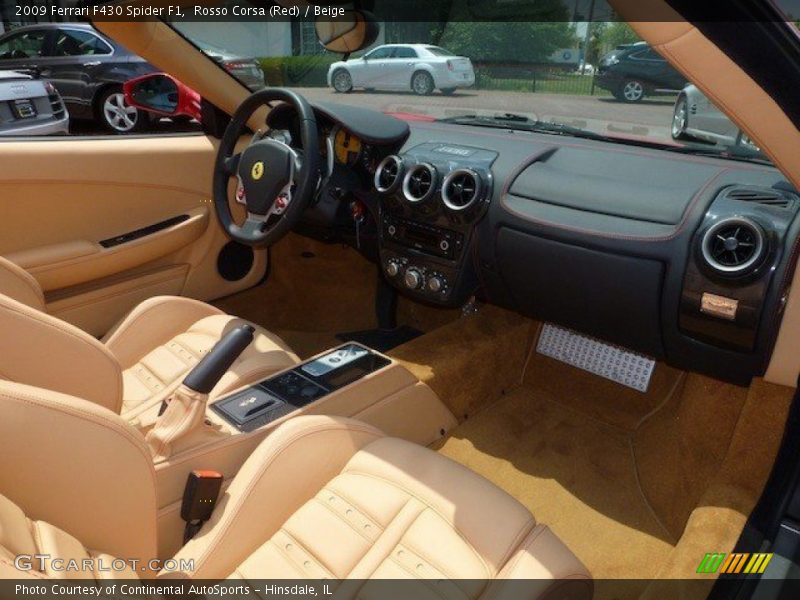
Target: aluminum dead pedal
(612,362)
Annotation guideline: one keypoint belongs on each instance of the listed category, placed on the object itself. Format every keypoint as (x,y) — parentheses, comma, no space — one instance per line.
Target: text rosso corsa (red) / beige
(273,11)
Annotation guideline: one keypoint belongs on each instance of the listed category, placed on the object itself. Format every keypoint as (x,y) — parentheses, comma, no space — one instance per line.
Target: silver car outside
(696,118)
(19,93)
(420,68)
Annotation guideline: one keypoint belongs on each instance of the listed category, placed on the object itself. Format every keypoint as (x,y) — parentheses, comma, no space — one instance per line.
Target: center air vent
(389,174)
(419,183)
(733,246)
(461,189)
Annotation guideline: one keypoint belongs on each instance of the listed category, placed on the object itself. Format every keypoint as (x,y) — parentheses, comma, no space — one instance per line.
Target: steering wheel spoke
(230,165)
(277,185)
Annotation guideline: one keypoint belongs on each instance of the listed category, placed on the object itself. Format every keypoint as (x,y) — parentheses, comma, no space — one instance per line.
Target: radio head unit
(425,238)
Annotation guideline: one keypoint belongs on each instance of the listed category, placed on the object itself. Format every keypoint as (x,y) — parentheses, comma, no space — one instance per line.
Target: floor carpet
(573,473)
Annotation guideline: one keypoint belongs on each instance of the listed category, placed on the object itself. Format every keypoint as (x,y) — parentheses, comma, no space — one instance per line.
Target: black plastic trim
(143,232)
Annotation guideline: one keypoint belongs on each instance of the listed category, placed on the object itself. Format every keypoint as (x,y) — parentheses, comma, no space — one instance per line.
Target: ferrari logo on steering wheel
(257,171)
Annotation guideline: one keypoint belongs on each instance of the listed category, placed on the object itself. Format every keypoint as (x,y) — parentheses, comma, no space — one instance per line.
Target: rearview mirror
(353,31)
(163,95)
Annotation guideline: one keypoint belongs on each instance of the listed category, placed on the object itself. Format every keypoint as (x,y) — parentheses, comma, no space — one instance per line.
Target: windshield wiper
(523,123)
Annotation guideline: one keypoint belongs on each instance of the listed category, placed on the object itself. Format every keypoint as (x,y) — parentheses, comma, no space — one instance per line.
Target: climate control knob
(392,268)
(435,284)
(413,279)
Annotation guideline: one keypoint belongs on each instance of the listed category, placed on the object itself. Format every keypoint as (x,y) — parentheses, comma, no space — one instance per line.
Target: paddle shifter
(185,411)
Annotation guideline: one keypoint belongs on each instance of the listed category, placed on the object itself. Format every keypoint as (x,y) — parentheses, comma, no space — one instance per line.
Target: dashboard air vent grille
(419,183)
(760,195)
(389,174)
(461,189)
(733,246)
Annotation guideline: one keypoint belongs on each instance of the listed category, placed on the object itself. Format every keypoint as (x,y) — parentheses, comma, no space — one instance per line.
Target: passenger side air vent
(389,174)
(734,246)
(419,183)
(765,196)
(461,189)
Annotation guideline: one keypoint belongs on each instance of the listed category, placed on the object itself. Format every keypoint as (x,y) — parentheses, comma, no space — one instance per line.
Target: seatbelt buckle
(200,495)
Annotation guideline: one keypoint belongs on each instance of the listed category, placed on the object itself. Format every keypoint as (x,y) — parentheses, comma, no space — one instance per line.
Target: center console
(256,406)
(432,197)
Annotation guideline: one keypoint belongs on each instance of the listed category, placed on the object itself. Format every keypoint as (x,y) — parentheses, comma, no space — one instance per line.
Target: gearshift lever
(207,373)
(185,412)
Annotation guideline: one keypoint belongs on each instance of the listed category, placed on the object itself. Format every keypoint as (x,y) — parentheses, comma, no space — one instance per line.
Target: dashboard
(683,258)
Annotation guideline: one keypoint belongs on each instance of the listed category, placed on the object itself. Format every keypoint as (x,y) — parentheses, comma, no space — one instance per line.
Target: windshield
(597,77)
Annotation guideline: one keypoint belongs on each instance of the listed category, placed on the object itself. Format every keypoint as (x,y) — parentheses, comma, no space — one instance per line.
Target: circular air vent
(389,174)
(461,189)
(419,183)
(733,246)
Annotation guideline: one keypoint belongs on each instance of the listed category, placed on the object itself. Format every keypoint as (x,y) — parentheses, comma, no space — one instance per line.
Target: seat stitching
(147,310)
(37,535)
(526,529)
(184,346)
(283,553)
(534,535)
(425,582)
(355,504)
(394,518)
(141,379)
(85,415)
(32,573)
(319,560)
(426,557)
(432,508)
(267,462)
(343,519)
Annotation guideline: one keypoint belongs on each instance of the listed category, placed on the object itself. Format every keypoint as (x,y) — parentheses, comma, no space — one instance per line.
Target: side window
(648,54)
(79,43)
(405,53)
(26,44)
(384,52)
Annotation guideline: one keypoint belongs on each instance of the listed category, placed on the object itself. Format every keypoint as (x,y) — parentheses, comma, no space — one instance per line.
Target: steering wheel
(278,182)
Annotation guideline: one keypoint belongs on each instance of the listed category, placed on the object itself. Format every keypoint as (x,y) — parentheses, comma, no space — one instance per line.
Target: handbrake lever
(207,373)
(185,412)
(213,366)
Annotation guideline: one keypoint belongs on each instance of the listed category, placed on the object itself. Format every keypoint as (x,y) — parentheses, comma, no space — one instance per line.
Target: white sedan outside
(417,67)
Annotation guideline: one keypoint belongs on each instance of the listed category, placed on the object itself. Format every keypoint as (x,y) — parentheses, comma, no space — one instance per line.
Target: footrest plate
(587,353)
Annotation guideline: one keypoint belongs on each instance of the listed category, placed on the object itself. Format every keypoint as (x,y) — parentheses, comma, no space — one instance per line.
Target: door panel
(67,205)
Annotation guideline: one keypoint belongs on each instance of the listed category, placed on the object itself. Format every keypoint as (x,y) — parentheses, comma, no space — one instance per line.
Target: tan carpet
(573,473)
(639,486)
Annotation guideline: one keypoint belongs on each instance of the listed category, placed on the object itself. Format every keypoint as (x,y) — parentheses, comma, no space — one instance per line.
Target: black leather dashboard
(600,237)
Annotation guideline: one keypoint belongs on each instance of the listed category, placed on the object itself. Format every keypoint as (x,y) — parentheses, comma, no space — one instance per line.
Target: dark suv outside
(87,68)
(632,71)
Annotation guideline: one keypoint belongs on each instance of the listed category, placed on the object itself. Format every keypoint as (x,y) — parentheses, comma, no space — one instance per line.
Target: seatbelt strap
(199,499)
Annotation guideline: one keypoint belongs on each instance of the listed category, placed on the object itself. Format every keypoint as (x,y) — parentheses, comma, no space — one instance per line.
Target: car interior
(391,338)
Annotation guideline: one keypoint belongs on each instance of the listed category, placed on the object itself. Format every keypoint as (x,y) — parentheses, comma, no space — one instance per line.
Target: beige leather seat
(334,498)
(137,364)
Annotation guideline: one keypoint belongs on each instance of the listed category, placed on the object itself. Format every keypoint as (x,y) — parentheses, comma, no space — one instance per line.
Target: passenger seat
(326,497)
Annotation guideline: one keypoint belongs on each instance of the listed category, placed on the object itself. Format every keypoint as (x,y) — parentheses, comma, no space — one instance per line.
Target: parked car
(245,69)
(86,67)
(695,117)
(30,106)
(632,71)
(418,67)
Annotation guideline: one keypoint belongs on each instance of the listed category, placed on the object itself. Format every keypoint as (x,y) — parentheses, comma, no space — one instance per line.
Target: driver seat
(139,363)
